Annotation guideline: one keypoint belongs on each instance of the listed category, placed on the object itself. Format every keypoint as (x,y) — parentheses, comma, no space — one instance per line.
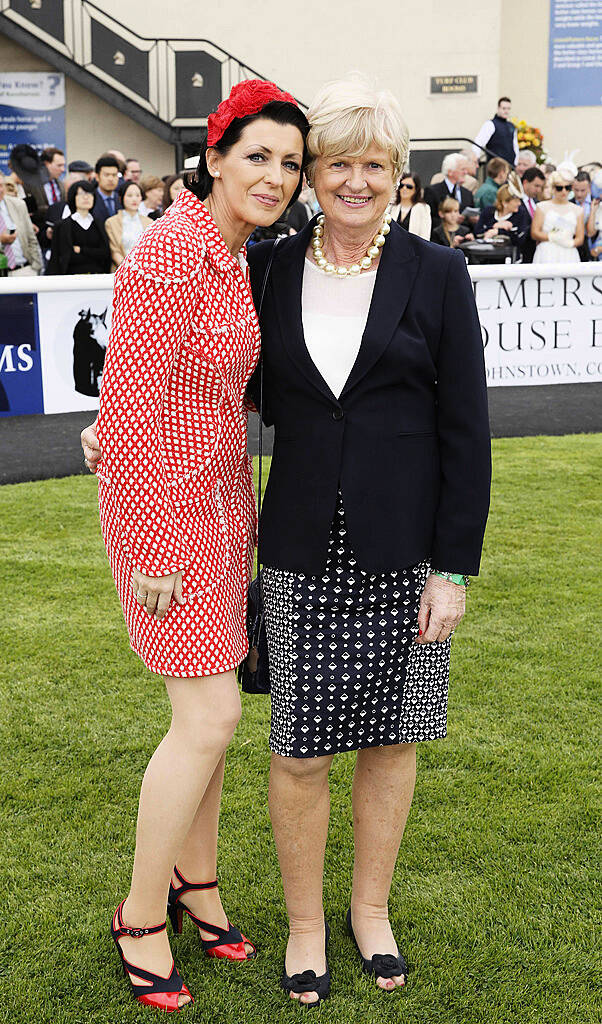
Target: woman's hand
(154,593)
(77,249)
(91,447)
(442,606)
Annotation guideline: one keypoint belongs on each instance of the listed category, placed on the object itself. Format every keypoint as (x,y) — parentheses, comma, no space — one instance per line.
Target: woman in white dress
(557,225)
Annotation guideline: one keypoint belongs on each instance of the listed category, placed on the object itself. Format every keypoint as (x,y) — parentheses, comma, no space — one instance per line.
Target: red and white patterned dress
(175,481)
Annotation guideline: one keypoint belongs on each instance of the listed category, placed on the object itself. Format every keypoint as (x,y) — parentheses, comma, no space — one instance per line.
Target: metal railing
(155,74)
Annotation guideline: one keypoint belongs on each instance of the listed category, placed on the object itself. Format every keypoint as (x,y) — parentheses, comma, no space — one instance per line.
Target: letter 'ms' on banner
(32,111)
(20,363)
(541,330)
(575,54)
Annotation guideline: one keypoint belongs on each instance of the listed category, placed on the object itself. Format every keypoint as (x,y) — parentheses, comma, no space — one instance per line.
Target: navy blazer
(407,441)
(521,223)
(100,210)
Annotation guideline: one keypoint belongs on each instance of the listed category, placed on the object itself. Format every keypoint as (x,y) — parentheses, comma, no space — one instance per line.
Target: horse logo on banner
(90,337)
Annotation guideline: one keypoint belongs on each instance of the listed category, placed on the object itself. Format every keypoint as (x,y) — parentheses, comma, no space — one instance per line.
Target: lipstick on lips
(269,201)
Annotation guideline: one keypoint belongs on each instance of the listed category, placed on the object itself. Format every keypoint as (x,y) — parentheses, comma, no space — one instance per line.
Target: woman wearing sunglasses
(410,210)
(557,225)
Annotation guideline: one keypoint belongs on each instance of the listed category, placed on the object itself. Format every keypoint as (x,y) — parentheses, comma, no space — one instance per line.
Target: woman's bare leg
(299,801)
(205,713)
(383,786)
(197,860)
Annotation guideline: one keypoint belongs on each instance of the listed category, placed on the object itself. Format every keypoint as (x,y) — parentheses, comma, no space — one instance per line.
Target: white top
(334,312)
(132,229)
(84,222)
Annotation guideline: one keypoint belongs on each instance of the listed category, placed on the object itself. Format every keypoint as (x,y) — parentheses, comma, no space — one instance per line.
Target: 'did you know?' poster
(32,110)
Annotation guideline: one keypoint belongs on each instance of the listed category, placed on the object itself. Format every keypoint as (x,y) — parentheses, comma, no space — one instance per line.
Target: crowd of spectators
(522,212)
(84,219)
(76,219)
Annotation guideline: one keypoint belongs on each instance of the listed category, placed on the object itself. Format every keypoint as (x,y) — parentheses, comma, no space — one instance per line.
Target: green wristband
(453,577)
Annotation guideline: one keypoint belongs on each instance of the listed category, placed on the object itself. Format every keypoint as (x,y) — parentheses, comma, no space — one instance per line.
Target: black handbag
(254,672)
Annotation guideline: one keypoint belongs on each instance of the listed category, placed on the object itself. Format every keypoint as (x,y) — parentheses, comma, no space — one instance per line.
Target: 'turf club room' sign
(453,83)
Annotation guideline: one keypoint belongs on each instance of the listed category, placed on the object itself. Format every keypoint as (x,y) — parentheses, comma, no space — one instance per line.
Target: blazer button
(337,414)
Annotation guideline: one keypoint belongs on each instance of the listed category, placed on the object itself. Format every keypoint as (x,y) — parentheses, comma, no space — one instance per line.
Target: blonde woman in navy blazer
(374,382)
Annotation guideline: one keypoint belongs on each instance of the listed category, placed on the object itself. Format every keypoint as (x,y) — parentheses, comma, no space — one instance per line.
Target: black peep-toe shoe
(381,965)
(307,981)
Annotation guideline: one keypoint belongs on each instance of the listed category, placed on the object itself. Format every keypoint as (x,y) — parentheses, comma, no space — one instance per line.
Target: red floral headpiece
(245,98)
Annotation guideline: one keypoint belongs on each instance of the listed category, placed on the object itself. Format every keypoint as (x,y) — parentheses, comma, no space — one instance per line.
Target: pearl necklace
(356,268)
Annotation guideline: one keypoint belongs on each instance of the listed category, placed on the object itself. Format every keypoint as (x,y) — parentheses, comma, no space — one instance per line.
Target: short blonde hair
(350,115)
(563,177)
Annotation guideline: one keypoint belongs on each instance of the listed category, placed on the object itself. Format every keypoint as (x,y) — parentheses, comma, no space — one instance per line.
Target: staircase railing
(177,81)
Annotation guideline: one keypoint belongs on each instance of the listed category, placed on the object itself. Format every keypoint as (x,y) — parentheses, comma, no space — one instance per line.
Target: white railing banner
(541,325)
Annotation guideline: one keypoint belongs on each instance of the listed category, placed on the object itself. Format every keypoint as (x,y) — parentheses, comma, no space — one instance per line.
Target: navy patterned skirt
(345,672)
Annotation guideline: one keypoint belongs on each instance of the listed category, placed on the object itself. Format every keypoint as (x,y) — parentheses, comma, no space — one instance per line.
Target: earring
(217,174)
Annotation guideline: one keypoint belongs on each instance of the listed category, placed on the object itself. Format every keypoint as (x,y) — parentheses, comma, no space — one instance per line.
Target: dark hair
(504,99)
(200,183)
(85,185)
(532,173)
(167,200)
(417,198)
(48,155)
(583,176)
(124,187)
(106,161)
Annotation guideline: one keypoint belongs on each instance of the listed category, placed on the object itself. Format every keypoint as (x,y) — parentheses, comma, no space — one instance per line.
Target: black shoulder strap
(263,288)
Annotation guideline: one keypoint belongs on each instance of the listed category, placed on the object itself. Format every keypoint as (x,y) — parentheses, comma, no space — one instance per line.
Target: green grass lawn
(494,896)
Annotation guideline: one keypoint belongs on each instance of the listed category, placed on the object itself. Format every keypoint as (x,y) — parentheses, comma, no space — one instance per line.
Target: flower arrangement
(530,138)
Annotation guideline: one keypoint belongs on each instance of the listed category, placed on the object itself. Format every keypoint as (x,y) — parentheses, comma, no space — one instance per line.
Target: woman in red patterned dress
(177,507)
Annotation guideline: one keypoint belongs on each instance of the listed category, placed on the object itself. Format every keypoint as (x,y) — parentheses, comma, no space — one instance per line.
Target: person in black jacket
(373,514)
(450,232)
(454,169)
(507,218)
(79,243)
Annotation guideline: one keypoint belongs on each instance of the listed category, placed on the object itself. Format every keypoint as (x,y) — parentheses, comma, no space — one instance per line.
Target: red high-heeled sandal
(229,943)
(162,993)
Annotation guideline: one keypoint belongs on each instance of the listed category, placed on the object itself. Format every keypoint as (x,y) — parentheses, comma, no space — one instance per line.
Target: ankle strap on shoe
(136,933)
(186,886)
